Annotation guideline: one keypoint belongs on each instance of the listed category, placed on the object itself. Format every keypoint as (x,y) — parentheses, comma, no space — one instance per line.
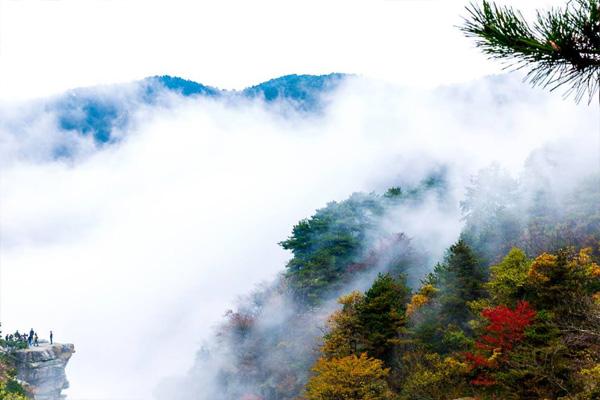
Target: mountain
(304,90)
(97,112)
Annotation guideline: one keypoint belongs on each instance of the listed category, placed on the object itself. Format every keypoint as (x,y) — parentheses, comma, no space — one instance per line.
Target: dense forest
(511,311)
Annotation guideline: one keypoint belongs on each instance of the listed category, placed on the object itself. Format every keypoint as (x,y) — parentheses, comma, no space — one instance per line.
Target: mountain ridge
(92,112)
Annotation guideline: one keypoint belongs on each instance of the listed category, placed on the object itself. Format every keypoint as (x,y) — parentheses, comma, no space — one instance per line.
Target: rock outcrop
(41,370)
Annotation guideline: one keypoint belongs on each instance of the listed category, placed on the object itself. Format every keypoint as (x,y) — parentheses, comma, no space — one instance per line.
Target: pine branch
(561,47)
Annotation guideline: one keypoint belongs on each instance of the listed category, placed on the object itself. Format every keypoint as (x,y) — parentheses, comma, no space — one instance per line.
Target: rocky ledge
(41,370)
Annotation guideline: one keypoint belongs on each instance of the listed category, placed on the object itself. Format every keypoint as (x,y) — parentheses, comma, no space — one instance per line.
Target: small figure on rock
(51,337)
(36,340)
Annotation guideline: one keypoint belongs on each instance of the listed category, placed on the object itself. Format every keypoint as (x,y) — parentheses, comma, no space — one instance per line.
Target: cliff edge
(41,370)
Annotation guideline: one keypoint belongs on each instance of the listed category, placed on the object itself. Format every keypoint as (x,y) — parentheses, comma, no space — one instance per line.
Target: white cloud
(134,252)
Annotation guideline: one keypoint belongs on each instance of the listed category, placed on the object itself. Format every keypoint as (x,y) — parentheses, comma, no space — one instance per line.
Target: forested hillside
(512,310)
(524,326)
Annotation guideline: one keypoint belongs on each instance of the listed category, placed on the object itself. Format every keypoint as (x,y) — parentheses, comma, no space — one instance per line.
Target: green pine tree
(561,47)
(460,280)
(382,315)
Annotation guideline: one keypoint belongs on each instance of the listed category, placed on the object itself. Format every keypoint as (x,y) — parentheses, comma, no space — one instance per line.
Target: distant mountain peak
(97,113)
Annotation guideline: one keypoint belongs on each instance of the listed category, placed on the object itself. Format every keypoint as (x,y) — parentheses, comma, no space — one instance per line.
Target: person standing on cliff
(30,339)
(36,340)
(51,338)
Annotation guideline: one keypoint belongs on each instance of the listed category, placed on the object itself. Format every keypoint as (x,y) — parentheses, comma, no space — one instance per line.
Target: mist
(134,250)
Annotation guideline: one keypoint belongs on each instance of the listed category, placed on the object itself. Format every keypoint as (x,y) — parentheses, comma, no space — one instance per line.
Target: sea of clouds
(133,250)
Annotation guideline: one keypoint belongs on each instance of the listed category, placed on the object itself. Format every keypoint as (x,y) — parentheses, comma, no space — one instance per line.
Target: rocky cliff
(41,370)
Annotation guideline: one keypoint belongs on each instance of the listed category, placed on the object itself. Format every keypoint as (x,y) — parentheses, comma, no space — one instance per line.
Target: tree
(348,378)
(460,281)
(370,323)
(562,46)
(507,279)
(559,282)
(344,336)
(382,315)
(441,311)
(505,328)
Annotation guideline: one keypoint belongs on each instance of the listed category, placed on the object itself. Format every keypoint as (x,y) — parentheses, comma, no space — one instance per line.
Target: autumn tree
(348,378)
(505,328)
(559,282)
(345,335)
(369,323)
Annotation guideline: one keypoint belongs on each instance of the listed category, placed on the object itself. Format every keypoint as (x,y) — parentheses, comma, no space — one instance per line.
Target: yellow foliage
(584,258)
(592,373)
(342,336)
(433,377)
(590,378)
(416,302)
(419,299)
(541,266)
(351,299)
(348,378)
(452,364)
(581,265)
(5,395)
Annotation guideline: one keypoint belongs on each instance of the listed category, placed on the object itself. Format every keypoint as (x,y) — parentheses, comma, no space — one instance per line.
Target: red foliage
(505,329)
(477,360)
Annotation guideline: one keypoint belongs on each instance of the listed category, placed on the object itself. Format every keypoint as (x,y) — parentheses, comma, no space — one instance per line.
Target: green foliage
(393,192)
(10,389)
(382,315)
(512,351)
(508,278)
(327,243)
(460,280)
(561,47)
(370,323)
(441,311)
(421,340)
(332,246)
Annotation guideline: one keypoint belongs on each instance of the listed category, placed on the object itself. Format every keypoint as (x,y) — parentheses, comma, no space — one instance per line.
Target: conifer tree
(561,47)
(382,315)
(460,281)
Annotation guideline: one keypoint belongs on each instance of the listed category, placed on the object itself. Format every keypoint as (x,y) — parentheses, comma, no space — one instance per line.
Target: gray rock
(42,370)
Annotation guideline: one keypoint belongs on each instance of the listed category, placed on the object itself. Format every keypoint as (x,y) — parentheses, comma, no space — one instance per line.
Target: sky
(47,46)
